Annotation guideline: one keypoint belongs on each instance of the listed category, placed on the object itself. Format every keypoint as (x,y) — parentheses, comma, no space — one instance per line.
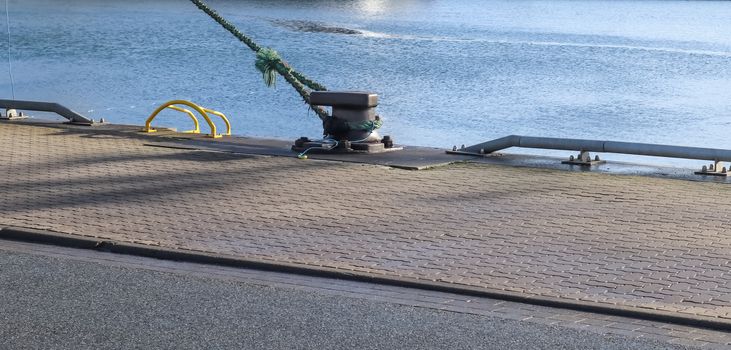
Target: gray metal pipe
(67,113)
(646,149)
(563,144)
(494,145)
(643,149)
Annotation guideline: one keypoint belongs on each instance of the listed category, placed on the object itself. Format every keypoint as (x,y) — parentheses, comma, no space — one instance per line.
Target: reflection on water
(448,71)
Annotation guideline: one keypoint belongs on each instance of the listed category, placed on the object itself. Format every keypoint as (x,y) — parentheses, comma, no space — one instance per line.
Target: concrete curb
(84,242)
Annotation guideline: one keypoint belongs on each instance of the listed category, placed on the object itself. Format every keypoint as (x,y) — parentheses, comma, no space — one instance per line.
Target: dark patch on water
(314,27)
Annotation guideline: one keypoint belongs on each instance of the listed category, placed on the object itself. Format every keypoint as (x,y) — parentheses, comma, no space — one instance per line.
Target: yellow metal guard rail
(201,110)
(197,129)
(223,116)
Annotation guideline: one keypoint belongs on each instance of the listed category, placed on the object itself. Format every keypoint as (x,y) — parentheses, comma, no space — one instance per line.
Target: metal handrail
(65,112)
(223,116)
(642,149)
(197,129)
(197,108)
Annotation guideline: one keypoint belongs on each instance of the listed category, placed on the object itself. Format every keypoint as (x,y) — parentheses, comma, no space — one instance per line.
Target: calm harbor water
(447,71)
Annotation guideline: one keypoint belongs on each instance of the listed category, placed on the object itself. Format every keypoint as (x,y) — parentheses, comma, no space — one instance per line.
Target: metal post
(585,146)
(67,113)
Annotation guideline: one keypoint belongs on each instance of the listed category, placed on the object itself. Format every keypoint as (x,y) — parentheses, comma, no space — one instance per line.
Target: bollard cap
(352,99)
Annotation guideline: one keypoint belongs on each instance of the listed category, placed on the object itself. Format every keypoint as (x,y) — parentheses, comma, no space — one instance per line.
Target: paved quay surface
(83,299)
(630,241)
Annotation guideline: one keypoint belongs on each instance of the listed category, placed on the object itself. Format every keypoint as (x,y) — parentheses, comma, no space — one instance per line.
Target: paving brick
(631,241)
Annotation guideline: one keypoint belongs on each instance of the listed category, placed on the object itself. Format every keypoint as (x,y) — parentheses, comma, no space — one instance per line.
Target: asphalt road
(62,303)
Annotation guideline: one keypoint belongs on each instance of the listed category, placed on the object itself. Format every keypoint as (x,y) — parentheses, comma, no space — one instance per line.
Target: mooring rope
(10,61)
(268,61)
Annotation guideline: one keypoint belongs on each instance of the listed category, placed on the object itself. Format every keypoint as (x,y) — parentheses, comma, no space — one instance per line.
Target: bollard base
(583,159)
(12,114)
(715,169)
(304,144)
(711,173)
